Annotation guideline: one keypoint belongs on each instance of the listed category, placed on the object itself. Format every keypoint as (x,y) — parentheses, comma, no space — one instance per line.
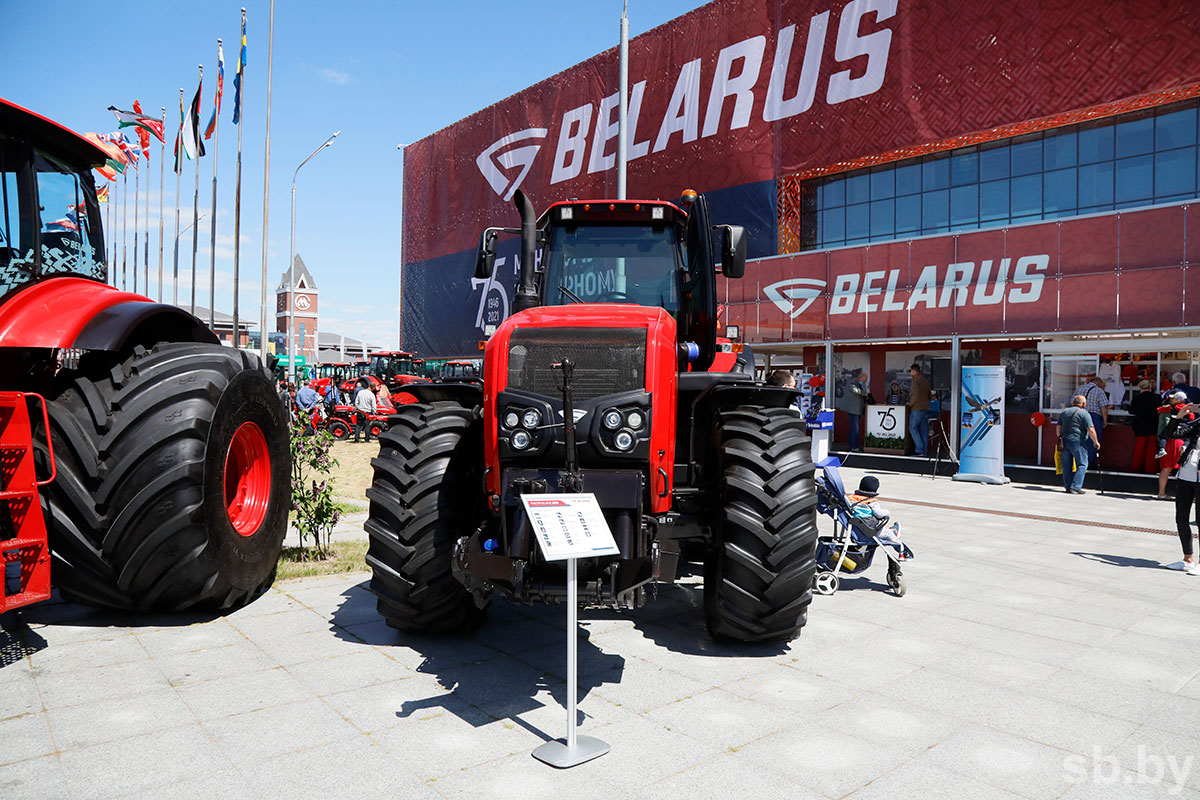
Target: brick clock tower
(304,309)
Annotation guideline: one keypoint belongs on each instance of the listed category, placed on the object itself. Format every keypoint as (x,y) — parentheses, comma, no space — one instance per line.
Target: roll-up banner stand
(981,432)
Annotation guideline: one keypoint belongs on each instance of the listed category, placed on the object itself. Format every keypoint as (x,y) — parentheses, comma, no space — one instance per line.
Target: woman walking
(1187,489)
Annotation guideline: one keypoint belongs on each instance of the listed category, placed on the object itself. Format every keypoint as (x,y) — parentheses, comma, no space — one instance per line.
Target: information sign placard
(569,526)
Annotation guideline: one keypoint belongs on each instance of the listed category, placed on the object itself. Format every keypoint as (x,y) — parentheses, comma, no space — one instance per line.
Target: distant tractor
(397,369)
(460,371)
(154,460)
(601,382)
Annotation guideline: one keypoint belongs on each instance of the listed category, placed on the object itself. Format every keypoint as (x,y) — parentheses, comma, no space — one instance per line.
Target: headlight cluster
(626,424)
(521,423)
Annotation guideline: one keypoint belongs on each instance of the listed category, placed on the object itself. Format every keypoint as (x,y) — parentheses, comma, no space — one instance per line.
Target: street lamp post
(292,262)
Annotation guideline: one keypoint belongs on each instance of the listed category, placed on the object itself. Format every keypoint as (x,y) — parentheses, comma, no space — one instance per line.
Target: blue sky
(381,72)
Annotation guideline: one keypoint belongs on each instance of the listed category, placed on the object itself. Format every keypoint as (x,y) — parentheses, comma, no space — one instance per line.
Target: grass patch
(301,562)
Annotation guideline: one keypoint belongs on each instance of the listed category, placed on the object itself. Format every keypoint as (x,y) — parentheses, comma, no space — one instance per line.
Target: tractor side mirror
(486,260)
(733,251)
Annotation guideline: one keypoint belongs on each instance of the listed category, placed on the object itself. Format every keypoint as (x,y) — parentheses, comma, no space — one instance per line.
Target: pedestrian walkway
(1031,658)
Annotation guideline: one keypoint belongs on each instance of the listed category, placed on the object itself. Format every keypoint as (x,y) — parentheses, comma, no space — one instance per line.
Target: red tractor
(153,459)
(601,382)
(460,371)
(397,369)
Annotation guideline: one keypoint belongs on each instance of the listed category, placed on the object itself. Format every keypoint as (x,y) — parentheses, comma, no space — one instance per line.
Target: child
(1177,401)
(866,507)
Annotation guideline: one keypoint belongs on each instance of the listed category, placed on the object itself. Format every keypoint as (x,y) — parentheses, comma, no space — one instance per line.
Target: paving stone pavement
(1029,659)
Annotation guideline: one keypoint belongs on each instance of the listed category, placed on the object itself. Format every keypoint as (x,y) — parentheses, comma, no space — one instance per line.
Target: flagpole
(136,183)
(237,196)
(178,172)
(162,158)
(124,226)
(212,256)
(196,198)
(146,238)
(267,185)
(111,235)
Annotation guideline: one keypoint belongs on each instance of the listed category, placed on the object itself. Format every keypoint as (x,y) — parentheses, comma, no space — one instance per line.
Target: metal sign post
(566,527)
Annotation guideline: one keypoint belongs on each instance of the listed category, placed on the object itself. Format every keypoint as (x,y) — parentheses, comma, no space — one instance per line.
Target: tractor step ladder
(24,551)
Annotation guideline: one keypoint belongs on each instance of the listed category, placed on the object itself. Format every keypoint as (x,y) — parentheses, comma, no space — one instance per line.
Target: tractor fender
(72,312)
(465,394)
(723,393)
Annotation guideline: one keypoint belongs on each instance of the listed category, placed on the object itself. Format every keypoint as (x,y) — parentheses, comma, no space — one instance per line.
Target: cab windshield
(637,264)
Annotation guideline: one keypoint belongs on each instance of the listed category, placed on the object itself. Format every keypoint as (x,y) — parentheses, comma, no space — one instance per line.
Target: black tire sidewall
(336,425)
(247,561)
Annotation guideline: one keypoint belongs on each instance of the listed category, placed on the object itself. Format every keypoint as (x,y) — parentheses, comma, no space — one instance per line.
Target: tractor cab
(49,216)
(394,368)
(459,370)
(640,252)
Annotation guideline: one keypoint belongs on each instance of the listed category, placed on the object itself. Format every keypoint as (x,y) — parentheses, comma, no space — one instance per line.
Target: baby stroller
(859,529)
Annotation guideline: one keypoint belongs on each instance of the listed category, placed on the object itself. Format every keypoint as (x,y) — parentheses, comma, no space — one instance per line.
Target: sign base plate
(559,754)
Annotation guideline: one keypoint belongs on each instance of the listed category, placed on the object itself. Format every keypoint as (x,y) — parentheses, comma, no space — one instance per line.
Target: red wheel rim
(247,479)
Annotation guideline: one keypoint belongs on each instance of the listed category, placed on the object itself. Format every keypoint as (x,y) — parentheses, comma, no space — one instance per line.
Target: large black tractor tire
(759,573)
(173,484)
(427,492)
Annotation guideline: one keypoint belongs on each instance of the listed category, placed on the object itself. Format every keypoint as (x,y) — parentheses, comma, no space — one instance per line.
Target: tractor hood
(617,350)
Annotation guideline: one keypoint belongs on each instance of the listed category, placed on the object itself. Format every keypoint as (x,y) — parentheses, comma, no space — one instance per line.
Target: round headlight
(623,440)
(512,419)
(531,418)
(520,440)
(612,419)
(635,419)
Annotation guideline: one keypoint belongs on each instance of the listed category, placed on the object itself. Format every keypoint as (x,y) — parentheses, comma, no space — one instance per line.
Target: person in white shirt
(364,404)
(1187,489)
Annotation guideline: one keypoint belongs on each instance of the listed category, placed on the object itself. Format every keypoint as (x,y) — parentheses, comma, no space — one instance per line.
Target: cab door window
(16,229)
(63,221)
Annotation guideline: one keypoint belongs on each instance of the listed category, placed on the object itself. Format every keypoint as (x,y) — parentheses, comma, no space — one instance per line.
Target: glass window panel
(1175,172)
(993,200)
(1058,191)
(908,214)
(964,205)
(833,226)
(935,209)
(883,218)
(1027,157)
(1096,184)
(935,173)
(1135,137)
(964,168)
(993,163)
(834,194)
(1059,151)
(1135,178)
(1095,144)
(1095,209)
(908,179)
(858,189)
(1026,195)
(883,184)
(1177,129)
(858,221)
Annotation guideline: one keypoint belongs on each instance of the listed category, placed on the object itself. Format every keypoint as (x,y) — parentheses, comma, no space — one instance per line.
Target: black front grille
(607,360)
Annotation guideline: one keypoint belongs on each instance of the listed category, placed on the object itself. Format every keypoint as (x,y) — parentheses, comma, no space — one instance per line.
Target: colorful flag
(70,222)
(193,145)
(115,159)
(143,135)
(127,146)
(179,137)
(212,122)
(138,120)
(102,193)
(237,75)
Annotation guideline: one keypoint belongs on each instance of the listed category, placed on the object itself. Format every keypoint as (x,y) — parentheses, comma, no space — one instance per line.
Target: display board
(981,428)
(887,427)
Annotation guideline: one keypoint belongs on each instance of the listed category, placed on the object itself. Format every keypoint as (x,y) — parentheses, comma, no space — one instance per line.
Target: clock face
(302,302)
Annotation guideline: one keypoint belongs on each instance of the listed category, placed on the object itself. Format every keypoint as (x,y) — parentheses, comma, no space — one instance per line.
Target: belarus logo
(784,293)
(493,161)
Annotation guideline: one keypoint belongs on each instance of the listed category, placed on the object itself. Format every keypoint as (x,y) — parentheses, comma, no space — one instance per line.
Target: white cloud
(334,76)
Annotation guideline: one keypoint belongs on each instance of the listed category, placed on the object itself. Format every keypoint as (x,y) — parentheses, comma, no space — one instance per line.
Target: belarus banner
(981,431)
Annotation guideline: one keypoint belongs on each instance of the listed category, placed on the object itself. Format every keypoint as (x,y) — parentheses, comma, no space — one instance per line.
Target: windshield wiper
(570,295)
